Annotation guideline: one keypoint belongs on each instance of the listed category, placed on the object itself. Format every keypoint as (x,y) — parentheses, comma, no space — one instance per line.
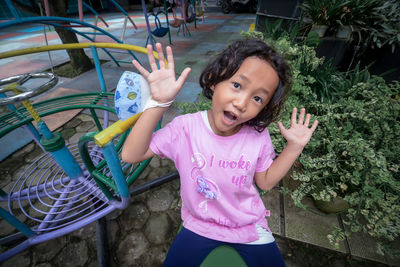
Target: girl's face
(241,97)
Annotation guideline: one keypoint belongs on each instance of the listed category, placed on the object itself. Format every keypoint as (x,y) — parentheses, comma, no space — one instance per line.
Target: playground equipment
(200,10)
(180,22)
(126,18)
(82,4)
(58,194)
(57,21)
(49,200)
(72,25)
(190,12)
(159,30)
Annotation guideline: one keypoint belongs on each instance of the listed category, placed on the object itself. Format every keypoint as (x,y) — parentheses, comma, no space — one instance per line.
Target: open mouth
(230,116)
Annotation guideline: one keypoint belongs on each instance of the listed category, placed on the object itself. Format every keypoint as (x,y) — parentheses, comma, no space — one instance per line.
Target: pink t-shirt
(219,197)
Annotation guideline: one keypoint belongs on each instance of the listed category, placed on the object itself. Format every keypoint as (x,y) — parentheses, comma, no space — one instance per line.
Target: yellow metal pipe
(117,128)
(31,110)
(39,49)
(14,87)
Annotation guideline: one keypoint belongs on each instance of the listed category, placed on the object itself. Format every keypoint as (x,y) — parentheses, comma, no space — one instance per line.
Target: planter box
(333,49)
(275,9)
(384,60)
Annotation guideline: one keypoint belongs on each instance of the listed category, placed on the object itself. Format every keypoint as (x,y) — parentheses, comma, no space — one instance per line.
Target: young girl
(223,153)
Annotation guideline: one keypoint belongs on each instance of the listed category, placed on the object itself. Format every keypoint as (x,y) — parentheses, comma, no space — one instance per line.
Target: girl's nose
(240,103)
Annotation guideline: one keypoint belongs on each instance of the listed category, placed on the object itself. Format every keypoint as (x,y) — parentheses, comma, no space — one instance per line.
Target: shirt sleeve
(267,153)
(165,141)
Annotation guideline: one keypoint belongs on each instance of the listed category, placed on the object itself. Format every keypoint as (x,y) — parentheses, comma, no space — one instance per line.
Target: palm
(163,85)
(299,132)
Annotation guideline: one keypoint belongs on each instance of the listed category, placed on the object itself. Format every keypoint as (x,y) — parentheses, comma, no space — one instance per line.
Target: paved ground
(142,234)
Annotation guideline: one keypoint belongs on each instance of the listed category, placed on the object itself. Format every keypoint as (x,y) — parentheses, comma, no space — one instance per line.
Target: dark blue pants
(190,249)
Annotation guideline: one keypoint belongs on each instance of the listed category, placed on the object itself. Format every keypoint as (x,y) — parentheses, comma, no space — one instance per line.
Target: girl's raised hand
(299,133)
(163,84)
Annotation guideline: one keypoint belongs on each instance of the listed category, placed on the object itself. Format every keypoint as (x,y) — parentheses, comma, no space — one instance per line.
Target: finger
(152,60)
(170,57)
(314,126)
(301,116)
(293,118)
(307,122)
(161,60)
(182,78)
(140,68)
(281,127)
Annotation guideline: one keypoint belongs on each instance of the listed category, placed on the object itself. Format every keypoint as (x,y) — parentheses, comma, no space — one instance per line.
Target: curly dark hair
(225,65)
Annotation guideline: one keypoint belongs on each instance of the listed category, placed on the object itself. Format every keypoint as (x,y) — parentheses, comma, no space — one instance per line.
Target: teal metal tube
(12,9)
(101,80)
(119,7)
(55,145)
(98,69)
(16,223)
(115,167)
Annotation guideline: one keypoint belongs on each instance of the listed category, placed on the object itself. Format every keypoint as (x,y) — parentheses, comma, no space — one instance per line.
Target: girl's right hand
(163,85)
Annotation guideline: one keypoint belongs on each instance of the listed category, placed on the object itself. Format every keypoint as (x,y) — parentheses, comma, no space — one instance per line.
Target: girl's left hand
(162,81)
(299,133)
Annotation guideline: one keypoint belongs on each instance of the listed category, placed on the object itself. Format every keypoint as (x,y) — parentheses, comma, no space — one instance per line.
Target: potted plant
(376,21)
(354,153)
(324,14)
(316,12)
(333,14)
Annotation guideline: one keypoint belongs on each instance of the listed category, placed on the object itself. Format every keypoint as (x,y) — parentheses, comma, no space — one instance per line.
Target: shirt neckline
(206,122)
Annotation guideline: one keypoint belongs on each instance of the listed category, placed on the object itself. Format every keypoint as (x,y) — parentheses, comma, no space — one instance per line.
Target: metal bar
(12,9)
(16,223)
(95,24)
(80,10)
(24,51)
(275,16)
(102,244)
(43,114)
(97,14)
(147,23)
(123,30)
(115,167)
(194,10)
(47,8)
(29,127)
(98,69)
(13,238)
(96,120)
(154,183)
(54,234)
(123,11)
(94,33)
(101,178)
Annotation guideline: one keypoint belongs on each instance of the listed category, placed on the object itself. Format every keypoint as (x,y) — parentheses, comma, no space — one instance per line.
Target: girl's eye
(258,99)
(236,85)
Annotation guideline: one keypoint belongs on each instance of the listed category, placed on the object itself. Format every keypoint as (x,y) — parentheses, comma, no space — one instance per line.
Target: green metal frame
(101,172)
(15,119)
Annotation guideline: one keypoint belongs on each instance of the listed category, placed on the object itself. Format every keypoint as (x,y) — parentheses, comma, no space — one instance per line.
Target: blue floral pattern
(204,188)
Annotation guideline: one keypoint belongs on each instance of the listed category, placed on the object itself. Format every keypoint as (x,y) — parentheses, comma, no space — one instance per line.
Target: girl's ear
(212,87)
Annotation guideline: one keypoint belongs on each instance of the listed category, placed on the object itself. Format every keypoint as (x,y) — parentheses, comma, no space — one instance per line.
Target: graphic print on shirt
(205,186)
